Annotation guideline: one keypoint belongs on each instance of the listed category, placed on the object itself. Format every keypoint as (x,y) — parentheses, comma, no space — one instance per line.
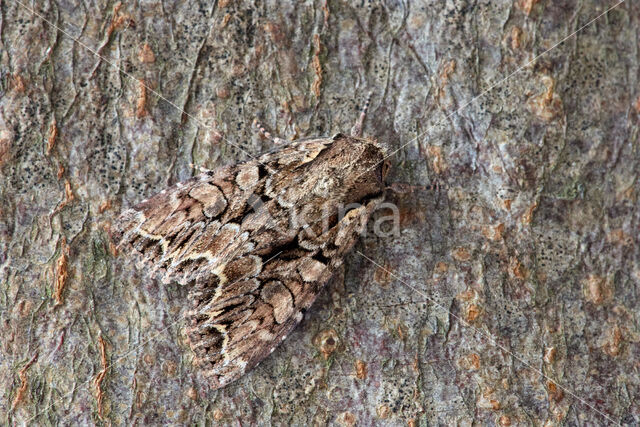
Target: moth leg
(199,168)
(356,130)
(434,185)
(405,188)
(264,133)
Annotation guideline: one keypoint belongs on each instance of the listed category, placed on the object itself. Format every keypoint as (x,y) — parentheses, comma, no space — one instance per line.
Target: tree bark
(510,295)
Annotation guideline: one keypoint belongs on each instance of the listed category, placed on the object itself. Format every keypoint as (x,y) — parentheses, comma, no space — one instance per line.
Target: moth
(255,242)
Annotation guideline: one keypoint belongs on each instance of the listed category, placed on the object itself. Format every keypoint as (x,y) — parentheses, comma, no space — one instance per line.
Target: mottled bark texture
(526,259)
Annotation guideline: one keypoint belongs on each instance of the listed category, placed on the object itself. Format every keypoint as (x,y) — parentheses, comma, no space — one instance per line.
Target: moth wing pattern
(175,231)
(228,234)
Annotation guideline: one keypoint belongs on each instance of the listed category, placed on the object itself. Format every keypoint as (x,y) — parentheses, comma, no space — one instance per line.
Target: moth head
(363,166)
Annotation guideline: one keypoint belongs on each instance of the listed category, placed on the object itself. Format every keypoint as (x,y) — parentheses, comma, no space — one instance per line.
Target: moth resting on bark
(255,242)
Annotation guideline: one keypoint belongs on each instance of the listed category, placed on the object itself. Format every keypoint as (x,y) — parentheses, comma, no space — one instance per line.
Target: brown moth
(255,242)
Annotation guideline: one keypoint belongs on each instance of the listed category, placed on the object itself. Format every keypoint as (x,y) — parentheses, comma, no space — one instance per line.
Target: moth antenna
(404,188)
(263,132)
(356,130)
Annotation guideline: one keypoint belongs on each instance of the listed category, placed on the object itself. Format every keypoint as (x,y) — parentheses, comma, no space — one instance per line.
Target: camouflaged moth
(256,241)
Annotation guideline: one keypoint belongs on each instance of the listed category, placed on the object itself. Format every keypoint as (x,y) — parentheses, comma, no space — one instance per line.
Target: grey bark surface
(510,295)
